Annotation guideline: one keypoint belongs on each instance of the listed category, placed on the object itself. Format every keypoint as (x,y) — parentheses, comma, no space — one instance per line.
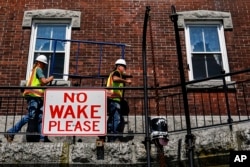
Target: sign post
(74,112)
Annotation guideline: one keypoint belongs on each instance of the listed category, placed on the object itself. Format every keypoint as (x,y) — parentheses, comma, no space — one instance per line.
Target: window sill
(211,85)
(54,83)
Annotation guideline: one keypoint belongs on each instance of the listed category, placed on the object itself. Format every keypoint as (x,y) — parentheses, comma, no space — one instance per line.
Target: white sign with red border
(74,112)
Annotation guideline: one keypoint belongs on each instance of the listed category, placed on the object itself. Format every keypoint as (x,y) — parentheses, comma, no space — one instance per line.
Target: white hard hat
(120,62)
(42,58)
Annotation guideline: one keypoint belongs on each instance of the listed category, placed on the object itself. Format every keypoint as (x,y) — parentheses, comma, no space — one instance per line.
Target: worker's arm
(120,80)
(45,81)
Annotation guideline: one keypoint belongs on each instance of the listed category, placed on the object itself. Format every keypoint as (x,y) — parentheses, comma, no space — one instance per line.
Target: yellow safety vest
(33,81)
(114,94)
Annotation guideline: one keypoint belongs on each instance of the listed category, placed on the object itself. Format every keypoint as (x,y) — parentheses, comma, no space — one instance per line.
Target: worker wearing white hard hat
(34,99)
(42,58)
(115,79)
(121,62)
(40,64)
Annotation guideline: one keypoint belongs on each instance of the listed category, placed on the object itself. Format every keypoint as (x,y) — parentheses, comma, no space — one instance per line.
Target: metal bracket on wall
(100,149)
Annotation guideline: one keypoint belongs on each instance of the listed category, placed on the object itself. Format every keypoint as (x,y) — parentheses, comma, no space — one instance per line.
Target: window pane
(199,69)
(207,65)
(50,31)
(204,38)
(196,39)
(59,32)
(60,46)
(214,64)
(211,39)
(43,31)
(58,65)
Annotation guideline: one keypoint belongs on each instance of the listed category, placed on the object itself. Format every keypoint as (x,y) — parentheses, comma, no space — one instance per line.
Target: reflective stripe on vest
(33,81)
(115,94)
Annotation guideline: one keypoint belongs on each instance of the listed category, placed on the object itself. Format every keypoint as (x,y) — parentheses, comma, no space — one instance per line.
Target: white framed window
(57,52)
(206,49)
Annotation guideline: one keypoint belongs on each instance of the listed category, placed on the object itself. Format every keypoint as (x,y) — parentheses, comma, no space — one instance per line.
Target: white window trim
(32,45)
(222,46)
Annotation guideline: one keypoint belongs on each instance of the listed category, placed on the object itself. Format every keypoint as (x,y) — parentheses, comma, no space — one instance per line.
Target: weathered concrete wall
(212,147)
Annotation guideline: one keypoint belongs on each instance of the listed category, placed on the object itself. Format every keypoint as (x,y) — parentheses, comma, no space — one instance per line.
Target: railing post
(145,86)
(189,136)
(225,88)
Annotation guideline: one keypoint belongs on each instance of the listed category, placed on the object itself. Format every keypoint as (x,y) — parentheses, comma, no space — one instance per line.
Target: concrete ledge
(120,154)
(212,147)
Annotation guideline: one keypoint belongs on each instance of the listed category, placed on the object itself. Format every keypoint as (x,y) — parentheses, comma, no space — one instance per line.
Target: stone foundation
(212,148)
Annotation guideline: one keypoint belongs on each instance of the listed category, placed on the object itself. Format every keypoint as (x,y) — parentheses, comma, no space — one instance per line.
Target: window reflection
(204,39)
(50,32)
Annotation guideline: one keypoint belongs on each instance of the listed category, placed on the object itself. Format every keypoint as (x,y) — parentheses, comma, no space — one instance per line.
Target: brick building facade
(120,22)
(221,26)
(83,38)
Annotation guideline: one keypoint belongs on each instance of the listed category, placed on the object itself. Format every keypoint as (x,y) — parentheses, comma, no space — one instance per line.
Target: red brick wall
(121,22)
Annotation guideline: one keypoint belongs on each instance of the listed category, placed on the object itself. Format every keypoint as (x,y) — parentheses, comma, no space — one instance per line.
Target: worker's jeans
(115,120)
(35,106)
(18,126)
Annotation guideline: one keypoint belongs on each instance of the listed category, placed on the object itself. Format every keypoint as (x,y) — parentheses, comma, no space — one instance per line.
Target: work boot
(46,139)
(111,139)
(9,138)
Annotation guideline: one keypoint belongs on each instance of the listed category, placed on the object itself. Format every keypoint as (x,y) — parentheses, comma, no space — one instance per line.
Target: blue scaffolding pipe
(53,59)
(87,42)
(77,53)
(100,61)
